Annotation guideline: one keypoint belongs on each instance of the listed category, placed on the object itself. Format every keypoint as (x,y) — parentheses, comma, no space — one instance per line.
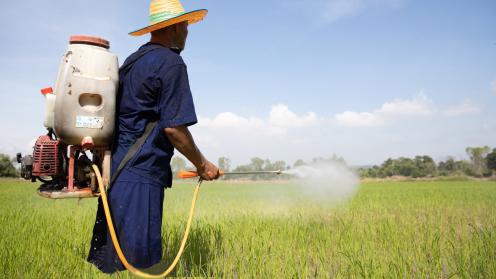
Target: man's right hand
(208,171)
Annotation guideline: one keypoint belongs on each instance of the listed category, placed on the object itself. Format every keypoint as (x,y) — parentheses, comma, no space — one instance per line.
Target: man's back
(153,87)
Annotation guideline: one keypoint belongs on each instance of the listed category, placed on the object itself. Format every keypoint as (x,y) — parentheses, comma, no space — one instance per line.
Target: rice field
(272,230)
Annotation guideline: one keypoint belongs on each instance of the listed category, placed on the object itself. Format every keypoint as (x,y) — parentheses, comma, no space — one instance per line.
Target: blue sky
(287,79)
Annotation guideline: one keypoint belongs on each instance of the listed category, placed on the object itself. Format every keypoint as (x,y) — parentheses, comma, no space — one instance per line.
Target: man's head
(173,36)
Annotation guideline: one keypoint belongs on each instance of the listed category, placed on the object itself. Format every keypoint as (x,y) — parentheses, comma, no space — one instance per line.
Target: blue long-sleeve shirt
(154,86)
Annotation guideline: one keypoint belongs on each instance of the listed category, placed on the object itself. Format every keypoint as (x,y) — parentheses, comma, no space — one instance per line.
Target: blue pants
(136,205)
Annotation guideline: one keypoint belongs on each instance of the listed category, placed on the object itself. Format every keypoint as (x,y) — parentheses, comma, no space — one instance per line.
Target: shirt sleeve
(176,107)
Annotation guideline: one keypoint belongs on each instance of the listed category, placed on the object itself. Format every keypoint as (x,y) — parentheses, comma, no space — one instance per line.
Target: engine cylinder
(46,160)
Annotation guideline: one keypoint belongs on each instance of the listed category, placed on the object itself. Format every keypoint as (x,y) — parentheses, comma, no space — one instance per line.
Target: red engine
(65,171)
(46,159)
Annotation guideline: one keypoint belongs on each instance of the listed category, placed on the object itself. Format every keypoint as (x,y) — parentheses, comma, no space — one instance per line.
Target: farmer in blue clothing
(154,104)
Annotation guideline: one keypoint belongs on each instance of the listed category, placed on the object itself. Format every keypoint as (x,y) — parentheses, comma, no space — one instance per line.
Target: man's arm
(183,141)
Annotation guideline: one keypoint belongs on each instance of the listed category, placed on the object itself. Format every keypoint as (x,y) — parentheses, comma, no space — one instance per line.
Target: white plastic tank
(85,90)
(49,107)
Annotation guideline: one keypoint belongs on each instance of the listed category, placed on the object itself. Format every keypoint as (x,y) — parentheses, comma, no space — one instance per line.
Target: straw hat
(164,13)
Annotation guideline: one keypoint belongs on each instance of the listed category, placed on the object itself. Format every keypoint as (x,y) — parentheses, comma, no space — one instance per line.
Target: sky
(286,79)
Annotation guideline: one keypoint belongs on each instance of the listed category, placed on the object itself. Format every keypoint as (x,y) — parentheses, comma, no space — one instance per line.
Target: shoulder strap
(131,60)
(132,151)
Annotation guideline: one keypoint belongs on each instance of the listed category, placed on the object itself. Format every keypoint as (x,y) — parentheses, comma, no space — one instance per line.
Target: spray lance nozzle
(192,174)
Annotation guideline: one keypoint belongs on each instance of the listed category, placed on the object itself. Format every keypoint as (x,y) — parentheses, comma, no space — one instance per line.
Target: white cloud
(420,105)
(280,119)
(359,119)
(239,124)
(464,108)
(337,9)
(281,116)
(231,120)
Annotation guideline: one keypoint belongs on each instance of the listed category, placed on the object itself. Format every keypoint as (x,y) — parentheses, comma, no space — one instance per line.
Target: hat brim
(191,17)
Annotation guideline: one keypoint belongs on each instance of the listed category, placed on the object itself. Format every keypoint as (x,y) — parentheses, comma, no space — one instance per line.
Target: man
(154,92)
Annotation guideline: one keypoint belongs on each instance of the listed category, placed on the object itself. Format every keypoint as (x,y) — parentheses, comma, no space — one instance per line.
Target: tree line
(481,163)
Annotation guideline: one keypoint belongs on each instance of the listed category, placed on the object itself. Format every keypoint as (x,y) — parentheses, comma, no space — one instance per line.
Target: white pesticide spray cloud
(329,181)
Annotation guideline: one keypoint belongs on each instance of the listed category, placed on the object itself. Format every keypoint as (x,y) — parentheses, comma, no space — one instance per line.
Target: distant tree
(257,164)
(333,159)
(364,172)
(278,165)
(453,167)
(375,171)
(465,167)
(404,166)
(242,168)
(478,159)
(372,172)
(424,166)
(177,164)
(299,163)
(225,163)
(7,169)
(447,167)
(268,166)
(337,159)
(387,168)
(491,161)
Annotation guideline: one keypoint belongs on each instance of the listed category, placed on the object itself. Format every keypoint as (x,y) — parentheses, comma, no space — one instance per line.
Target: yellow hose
(118,249)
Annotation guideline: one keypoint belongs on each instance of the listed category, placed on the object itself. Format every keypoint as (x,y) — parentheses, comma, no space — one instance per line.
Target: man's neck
(169,46)
(164,42)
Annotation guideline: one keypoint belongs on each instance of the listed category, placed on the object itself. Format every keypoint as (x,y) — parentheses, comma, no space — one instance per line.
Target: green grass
(262,230)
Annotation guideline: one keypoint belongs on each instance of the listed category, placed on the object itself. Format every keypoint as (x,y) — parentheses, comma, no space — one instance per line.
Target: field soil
(389,229)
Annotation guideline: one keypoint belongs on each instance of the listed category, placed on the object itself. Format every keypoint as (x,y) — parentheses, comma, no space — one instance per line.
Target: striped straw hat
(164,13)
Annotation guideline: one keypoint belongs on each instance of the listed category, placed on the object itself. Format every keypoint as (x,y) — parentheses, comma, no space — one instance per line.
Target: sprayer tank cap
(89,40)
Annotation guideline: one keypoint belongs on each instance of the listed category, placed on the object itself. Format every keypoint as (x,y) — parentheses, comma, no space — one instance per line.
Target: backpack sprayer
(79,117)
(73,159)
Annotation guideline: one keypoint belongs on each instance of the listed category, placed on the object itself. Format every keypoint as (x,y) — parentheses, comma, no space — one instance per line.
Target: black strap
(132,151)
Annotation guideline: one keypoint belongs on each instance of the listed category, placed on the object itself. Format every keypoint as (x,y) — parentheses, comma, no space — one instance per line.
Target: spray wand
(193,174)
